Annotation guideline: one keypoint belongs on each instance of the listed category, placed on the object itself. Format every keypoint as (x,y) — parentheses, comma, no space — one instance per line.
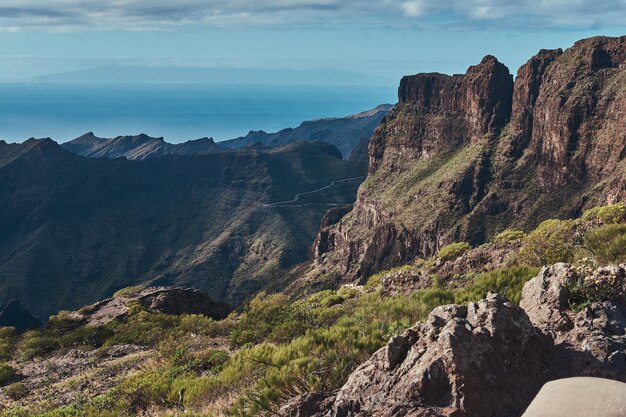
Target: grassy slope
(251,363)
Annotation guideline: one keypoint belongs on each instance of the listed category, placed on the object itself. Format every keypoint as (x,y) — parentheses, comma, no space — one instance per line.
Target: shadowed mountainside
(74,229)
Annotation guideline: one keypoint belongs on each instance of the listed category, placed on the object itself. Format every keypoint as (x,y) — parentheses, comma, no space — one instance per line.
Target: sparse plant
(509,235)
(16,391)
(7,373)
(452,251)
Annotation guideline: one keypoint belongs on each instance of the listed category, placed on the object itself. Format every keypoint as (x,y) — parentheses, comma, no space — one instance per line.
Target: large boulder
(485,359)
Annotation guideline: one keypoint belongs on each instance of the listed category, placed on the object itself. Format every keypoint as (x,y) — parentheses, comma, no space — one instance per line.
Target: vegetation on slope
(276,348)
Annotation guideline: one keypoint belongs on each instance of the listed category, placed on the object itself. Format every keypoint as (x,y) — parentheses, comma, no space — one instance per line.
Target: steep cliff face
(462,157)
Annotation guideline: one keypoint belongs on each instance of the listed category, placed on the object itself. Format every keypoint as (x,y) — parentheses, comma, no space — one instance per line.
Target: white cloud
(163,14)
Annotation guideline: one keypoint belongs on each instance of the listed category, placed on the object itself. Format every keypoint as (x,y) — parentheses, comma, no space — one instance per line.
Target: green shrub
(551,242)
(34,344)
(267,316)
(607,243)
(586,290)
(507,282)
(87,336)
(7,342)
(16,391)
(63,322)
(613,213)
(7,373)
(129,291)
(509,235)
(453,250)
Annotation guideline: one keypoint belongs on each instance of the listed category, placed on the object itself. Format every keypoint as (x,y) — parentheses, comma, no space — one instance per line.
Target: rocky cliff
(462,157)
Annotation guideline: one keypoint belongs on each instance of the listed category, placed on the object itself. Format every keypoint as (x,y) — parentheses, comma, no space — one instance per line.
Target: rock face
(462,361)
(180,300)
(593,341)
(463,157)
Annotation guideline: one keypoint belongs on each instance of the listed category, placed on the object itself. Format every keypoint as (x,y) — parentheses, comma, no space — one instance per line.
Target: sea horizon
(175,111)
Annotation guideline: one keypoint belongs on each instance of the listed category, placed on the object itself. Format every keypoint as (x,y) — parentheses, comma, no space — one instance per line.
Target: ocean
(178,112)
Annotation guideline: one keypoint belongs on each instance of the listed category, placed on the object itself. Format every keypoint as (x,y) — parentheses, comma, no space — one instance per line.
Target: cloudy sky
(386,38)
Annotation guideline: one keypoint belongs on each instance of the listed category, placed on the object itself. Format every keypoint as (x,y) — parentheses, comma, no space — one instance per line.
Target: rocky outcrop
(167,300)
(591,342)
(491,357)
(180,300)
(463,157)
(462,361)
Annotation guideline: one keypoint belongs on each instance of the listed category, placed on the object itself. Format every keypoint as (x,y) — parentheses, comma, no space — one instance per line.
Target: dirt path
(288,203)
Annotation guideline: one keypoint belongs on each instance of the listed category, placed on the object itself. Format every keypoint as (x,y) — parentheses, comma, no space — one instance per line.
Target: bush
(375,280)
(589,289)
(129,291)
(87,336)
(16,391)
(506,282)
(7,373)
(607,243)
(453,250)
(613,213)
(551,242)
(34,344)
(509,235)
(7,341)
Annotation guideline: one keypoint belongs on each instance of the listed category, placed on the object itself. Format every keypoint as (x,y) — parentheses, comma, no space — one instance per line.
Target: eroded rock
(485,359)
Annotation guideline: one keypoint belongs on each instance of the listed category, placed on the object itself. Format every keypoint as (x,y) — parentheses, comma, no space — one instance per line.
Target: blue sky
(387,38)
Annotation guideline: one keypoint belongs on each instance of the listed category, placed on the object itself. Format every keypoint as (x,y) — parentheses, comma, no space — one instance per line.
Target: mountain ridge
(346,133)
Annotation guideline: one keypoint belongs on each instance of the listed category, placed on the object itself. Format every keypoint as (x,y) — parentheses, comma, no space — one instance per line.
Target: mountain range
(349,134)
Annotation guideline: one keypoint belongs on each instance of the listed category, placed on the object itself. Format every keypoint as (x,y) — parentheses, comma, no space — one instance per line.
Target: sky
(384,38)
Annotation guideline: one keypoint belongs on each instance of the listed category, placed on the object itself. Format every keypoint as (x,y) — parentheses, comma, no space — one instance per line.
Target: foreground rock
(462,361)
(490,358)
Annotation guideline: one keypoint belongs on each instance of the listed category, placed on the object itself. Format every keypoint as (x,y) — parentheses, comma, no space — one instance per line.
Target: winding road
(288,203)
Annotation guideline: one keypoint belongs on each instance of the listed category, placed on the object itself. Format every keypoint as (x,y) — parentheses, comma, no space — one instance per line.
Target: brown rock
(485,359)
(592,342)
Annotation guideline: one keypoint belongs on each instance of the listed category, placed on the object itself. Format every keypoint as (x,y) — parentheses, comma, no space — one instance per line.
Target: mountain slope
(74,229)
(463,157)
(346,133)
